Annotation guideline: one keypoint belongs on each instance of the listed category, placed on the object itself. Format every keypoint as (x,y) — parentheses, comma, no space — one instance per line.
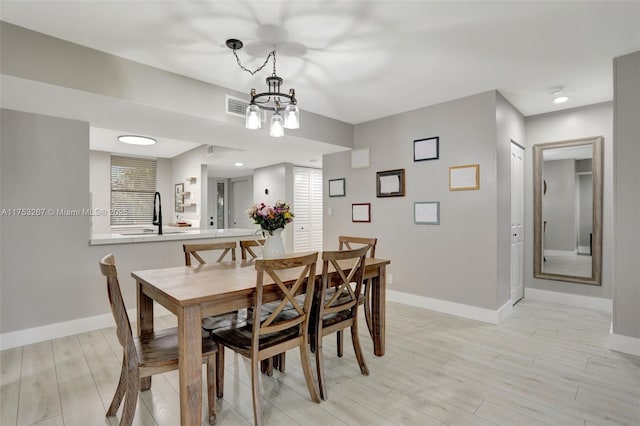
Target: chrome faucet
(157,212)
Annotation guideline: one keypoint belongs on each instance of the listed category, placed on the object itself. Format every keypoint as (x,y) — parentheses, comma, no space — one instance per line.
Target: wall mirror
(568,210)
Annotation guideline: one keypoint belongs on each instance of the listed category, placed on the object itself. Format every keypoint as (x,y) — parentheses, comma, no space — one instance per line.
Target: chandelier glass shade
(272,100)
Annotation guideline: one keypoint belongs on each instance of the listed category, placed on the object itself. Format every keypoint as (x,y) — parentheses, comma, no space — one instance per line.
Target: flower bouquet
(271,218)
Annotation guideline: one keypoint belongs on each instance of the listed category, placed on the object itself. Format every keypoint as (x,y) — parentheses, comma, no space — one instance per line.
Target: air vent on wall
(210,150)
(237,107)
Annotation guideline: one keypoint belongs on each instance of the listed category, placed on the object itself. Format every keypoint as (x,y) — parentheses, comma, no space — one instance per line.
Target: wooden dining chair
(245,248)
(345,243)
(193,249)
(262,338)
(216,321)
(337,304)
(148,355)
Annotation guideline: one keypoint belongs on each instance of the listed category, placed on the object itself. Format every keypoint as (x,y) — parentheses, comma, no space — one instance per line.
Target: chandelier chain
(266,61)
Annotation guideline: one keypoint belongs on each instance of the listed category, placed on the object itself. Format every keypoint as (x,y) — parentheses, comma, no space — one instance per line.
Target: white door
(517,222)
(307,206)
(242,193)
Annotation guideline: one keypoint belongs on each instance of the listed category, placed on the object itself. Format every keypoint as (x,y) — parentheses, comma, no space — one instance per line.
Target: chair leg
(282,361)
(306,369)
(220,372)
(211,388)
(320,369)
(340,343)
(357,349)
(117,396)
(367,307)
(255,391)
(131,397)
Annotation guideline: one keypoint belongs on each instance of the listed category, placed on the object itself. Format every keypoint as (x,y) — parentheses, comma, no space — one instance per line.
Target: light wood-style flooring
(545,365)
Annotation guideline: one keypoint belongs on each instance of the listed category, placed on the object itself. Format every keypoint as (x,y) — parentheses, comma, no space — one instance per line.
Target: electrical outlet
(389,278)
(329,211)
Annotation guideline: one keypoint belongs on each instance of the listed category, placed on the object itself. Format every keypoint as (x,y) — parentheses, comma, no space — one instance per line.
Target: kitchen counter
(169,234)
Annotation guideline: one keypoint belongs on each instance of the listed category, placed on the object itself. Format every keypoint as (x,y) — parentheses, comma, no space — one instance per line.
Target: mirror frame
(596,254)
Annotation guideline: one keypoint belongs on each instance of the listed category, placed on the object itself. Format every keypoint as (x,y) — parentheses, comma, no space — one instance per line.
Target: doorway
(241,201)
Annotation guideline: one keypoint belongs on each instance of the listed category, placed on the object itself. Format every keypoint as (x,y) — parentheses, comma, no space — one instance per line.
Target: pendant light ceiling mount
(272,100)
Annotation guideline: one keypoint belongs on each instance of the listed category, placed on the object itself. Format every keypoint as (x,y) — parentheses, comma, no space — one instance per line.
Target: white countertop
(168,234)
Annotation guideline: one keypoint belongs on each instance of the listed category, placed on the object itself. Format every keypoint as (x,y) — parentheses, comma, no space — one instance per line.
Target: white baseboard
(29,336)
(625,344)
(452,308)
(576,300)
(560,252)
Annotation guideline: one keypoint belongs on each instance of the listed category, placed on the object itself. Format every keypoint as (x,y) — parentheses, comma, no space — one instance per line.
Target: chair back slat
(193,249)
(304,284)
(346,243)
(245,247)
(116,302)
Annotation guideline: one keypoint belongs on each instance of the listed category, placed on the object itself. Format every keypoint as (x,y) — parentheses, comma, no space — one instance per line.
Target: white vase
(273,247)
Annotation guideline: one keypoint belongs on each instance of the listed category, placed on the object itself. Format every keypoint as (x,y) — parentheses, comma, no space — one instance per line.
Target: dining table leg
(378,307)
(144,324)
(190,364)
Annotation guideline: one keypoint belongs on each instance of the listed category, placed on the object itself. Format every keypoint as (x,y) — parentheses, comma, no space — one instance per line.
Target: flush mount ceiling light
(238,164)
(272,100)
(558,96)
(136,140)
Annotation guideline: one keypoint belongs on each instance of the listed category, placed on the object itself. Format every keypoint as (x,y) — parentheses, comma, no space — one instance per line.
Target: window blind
(133,186)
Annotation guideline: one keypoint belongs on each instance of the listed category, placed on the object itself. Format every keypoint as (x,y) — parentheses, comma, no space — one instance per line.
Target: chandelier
(272,100)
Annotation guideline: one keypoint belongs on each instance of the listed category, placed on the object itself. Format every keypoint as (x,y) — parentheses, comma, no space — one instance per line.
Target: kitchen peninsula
(138,235)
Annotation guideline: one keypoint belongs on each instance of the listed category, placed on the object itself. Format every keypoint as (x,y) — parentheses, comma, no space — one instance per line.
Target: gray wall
(626,300)
(457,260)
(558,207)
(592,120)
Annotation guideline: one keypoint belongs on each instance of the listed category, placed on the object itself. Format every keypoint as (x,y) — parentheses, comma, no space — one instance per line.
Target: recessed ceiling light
(238,164)
(136,140)
(560,99)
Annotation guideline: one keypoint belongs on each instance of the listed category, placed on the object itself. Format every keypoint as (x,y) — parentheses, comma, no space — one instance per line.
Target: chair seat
(336,317)
(161,347)
(231,319)
(239,338)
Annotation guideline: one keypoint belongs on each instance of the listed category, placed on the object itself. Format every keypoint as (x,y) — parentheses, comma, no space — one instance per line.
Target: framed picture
(390,183)
(426,212)
(360,158)
(179,197)
(361,212)
(464,178)
(337,187)
(426,149)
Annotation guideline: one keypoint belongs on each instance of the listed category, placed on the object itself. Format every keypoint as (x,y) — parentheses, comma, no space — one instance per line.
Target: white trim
(626,344)
(28,336)
(577,300)
(548,252)
(452,308)
(584,249)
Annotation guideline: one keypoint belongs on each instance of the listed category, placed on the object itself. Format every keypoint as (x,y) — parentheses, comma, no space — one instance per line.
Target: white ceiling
(361,60)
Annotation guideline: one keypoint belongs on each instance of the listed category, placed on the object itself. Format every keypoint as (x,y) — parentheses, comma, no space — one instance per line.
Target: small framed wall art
(361,212)
(426,149)
(179,200)
(426,212)
(390,183)
(337,187)
(360,158)
(464,178)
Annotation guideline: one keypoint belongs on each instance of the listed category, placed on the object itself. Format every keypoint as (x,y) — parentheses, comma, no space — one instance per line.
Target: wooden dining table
(196,292)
